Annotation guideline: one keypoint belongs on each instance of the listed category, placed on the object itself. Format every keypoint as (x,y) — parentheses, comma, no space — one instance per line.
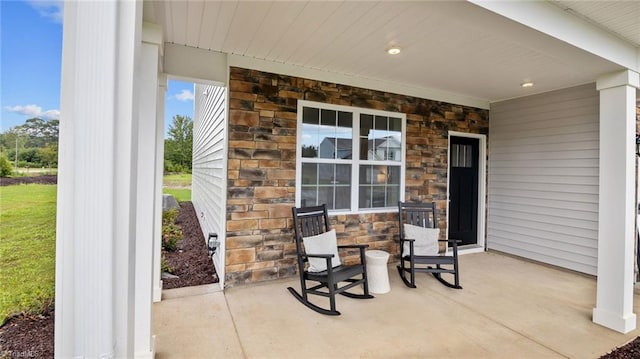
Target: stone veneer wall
(262,166)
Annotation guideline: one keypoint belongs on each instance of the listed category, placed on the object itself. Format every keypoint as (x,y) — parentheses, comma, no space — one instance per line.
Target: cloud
(51,9)
(184,96)
(34,111)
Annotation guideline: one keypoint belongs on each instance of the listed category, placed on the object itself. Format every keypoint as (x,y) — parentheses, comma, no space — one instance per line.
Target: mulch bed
(629,351)
(32,336)
(10,181)
(191,262)
(28,336)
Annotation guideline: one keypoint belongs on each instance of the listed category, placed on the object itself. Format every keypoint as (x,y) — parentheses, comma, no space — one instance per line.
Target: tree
(5,165)
(31,140)
(178,148)
(49,154)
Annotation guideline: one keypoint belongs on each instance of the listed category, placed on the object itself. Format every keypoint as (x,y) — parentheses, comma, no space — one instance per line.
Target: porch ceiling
(455,47)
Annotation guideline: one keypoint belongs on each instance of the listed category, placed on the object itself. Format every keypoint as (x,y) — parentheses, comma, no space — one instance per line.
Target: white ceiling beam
(195,64)
(551,20)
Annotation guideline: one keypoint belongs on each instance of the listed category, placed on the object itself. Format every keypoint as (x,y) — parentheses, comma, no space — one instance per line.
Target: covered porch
(557,186)
(509,308)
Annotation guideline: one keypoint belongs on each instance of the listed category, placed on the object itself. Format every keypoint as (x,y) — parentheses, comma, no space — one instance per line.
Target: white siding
(543,178)
(209,164)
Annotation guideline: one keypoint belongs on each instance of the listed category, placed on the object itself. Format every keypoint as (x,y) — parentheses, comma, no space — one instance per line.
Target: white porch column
(614,302)
(96,210)
(147,77)
(159,171)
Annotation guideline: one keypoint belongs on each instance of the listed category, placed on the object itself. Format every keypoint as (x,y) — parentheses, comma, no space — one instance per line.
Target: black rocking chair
(310,222)
(425,216)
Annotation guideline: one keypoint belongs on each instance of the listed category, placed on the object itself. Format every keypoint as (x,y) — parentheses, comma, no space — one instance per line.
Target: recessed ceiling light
(393,50)
(527,84)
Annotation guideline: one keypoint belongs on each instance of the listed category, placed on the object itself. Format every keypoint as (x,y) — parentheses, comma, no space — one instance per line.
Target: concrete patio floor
(509,308)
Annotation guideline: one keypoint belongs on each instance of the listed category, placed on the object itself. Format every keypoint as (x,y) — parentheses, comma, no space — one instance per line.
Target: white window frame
(355,162)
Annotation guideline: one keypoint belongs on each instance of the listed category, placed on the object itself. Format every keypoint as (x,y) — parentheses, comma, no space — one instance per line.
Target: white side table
(377,273)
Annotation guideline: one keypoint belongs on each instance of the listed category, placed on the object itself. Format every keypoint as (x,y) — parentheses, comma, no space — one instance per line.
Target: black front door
(463,189)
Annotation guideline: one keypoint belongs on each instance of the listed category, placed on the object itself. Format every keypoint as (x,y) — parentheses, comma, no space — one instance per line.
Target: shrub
(5,166)
(171,234)
(169,216)
(164,266)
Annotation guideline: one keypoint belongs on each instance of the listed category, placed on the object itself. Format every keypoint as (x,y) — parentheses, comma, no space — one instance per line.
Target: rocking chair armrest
(319,255)
(354,246)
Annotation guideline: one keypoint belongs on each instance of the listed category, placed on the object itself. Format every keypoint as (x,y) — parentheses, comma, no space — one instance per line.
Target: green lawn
(183,194)
(177,180)
(27,248)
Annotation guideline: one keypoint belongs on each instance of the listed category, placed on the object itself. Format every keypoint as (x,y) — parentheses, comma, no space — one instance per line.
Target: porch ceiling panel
(620,17)
(456,47)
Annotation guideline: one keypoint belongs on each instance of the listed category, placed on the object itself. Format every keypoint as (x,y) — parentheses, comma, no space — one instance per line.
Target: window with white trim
(350,158)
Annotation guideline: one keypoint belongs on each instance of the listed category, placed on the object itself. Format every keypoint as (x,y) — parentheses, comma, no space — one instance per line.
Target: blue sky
(30,54)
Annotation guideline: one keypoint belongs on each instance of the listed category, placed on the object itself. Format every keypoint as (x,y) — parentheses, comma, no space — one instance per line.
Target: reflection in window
(380,138)
(326,133)
(379,186)
(349,158)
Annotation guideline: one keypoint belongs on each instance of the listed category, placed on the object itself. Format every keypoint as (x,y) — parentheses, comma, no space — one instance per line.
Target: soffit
(455,47)
(621,18)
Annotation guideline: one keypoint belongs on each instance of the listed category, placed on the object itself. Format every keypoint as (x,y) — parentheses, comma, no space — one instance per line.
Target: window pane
(395,124)
(393,195)
(345,119)
(325,173)
(365,174)
(343,175)
(379,174)
(310,115)
(364,200)
(343,197)
(343,148)
(394,144)
(328,118)
(309,173)
(310,132)
(379,196)
(325,195)
(366,124)
(309,196)
(394,175)
(381,123)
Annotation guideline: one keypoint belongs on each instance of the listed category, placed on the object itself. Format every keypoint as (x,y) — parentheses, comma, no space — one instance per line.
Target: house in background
(543,172)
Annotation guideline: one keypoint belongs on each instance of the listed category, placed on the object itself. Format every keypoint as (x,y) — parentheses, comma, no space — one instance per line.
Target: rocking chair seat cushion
(426,240)
(323,243)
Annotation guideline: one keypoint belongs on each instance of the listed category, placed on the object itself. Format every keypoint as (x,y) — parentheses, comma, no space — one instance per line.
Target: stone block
(260,275)
(240,256)
(280,210)
(269,255)
(272,223)
(242,224)
(269,164)
(267,154)
(270,192)
(237,278)
(234,242)
(252,173)
(244,118)
(249,215)
(249,164)
(281,174)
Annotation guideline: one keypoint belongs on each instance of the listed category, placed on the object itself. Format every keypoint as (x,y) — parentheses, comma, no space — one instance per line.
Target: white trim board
(482,189)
